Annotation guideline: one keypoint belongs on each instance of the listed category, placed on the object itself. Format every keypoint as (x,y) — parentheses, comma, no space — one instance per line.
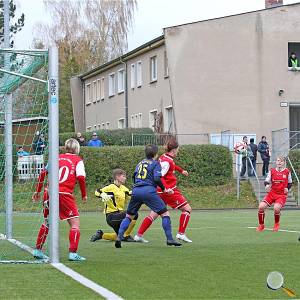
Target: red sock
(74,237)
(261,218)
(183,221)
(276,217)
(41,238)
(145,225)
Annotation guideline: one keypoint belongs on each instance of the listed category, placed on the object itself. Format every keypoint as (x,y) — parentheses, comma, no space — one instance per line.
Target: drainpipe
(125,92)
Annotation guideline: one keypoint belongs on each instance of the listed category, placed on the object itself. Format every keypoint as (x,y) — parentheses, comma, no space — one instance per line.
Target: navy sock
(166,224)
(123,227)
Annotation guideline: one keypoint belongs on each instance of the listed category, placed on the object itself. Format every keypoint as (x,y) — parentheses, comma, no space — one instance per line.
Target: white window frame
(151,113)
(136,121)
(98,89)
(132,121)
(107,124)
(88,94)
(102,88)
(139,77)
(103,125)
(111,84)
(153,69)
(88,128)
(167,121)
(121,81)
(133,76)
(99,126)
(94,91)
(121,123)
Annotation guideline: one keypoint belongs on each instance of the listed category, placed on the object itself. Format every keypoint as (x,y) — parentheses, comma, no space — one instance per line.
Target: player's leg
(147,222)
(183,222)
(156,204)
(279,203)
(261,215)
(128,232)
(74,238)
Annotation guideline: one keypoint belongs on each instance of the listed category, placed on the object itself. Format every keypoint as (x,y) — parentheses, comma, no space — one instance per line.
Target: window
(88,128)
(294,56)
(98,89)
(152,118)
(121,123)
(166,67)
(140,120)
(107,125)
(139,74)
(136,121)
(132,76)
(111,85)
(102,88)
(94,91)
(169,124)
(121,81)
(95,126)
(99,126)
(88,94)
(132,122)
(103,125)
(153,69)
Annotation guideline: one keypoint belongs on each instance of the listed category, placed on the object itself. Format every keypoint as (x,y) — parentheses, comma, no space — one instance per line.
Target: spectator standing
(245,155)
(253,148)
(95,141)
(263,149)
(80,138)
(39,144)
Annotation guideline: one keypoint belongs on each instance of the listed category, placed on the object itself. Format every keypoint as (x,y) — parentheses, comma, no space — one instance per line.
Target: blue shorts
(145,195)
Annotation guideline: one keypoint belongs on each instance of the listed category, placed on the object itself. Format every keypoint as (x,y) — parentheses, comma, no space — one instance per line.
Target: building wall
(226,73)
(141,100)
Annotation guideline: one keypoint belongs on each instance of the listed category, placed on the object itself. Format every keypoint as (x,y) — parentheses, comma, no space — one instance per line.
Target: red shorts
(272,197)
(67,207)
(175,200)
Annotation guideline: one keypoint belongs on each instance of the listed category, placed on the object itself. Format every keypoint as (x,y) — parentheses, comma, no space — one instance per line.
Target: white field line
(270,229)
(86,282)
(67,271)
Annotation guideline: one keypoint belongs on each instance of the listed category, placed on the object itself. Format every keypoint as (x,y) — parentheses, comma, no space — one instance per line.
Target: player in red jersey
(277,184)
(175,200)
(71,170)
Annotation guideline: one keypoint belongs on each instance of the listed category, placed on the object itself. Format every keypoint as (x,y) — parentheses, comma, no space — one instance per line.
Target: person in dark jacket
(80,138)
(263,149)
(253,148)
(39,144)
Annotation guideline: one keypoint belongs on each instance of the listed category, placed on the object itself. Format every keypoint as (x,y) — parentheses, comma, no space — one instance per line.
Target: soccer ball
(240,148)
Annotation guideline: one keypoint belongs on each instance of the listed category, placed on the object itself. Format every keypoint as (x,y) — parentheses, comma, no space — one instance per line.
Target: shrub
(120,137)
(206,164)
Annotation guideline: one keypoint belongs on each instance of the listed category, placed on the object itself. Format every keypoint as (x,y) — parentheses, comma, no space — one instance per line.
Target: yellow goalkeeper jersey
(120,195)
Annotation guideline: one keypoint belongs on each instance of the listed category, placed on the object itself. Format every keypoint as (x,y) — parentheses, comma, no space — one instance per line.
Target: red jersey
(71,169)
(168,168)
(279,180)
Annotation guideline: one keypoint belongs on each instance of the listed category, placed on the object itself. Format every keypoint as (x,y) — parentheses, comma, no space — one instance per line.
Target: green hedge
(206,164)
(120,137)
(294,156)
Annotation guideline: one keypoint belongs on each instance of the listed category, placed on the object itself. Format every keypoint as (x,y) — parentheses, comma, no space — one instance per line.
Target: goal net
(23,150)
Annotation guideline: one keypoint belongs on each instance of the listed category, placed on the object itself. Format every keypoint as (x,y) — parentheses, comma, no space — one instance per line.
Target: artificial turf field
(226,260)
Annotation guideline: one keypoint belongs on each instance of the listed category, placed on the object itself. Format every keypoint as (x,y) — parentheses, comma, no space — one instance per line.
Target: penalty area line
(107,294)
(270,229)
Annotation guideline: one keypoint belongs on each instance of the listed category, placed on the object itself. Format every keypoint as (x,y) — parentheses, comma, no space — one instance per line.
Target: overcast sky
(151,16)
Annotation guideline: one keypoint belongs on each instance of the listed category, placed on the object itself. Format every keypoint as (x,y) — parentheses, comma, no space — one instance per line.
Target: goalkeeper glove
(105,197)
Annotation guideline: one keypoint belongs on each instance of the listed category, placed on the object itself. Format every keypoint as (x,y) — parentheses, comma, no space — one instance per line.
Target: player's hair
(171,144)
(117,172)
(282,158)
(151,151)
(72,146)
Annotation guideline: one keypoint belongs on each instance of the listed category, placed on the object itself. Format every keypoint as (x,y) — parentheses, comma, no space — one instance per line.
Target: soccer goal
(28,141)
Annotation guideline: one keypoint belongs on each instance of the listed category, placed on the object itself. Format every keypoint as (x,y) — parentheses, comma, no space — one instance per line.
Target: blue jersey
(147,173)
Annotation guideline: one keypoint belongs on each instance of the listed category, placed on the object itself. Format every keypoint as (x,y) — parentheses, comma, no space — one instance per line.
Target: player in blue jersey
(147,176)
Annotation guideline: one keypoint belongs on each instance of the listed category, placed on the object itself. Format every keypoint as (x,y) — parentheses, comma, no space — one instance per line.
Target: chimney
(273,3)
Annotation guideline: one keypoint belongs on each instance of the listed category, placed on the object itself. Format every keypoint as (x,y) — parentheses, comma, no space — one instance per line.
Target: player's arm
(39,185)
(105,194)
(157,179)
(267,182)
(182,171)
(80,176)
(290,183)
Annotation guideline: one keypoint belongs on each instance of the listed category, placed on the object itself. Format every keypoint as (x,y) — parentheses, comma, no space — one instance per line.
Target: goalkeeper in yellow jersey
(114,197)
